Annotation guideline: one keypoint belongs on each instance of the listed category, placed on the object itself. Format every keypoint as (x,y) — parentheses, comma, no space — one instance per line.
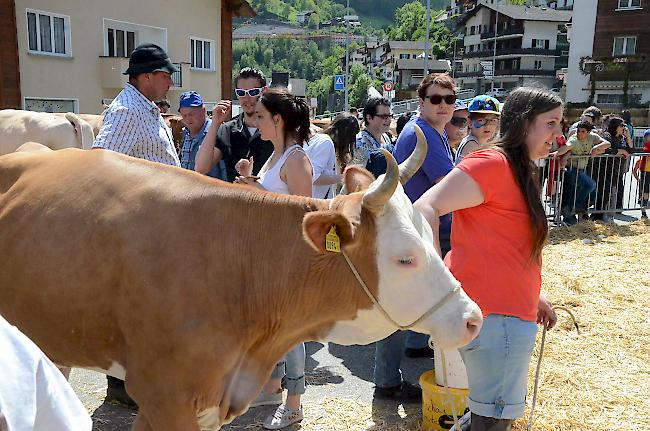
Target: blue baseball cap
(190,99)
(459,106)
(484,104)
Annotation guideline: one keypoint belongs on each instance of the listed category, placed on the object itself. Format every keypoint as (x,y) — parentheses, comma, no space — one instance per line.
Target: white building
(526,46)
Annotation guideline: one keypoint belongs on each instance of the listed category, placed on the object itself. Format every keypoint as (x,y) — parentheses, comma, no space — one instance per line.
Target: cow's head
(412,278)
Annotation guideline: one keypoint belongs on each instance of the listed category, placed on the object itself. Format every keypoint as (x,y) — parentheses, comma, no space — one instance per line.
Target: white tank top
(270,177)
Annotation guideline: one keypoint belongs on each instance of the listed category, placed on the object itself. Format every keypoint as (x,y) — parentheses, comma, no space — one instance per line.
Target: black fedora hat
(148,58)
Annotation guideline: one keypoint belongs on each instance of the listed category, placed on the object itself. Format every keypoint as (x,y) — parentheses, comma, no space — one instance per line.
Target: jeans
(497,366)
(293,368)
(388,352)
(577,188)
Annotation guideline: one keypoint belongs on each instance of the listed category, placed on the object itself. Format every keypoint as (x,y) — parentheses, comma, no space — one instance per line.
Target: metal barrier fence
(599,186)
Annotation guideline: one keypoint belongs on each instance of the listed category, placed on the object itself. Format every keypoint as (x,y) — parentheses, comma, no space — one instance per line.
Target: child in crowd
(641,172)
(483,124)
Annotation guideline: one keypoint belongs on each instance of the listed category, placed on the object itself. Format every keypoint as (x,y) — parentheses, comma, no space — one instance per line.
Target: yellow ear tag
(332,241)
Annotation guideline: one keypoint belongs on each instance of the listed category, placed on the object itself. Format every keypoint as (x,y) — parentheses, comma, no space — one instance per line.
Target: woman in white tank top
(283,119)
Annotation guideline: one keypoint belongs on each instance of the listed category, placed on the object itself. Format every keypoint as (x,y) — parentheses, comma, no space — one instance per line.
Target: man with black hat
(132,123)
(133,126)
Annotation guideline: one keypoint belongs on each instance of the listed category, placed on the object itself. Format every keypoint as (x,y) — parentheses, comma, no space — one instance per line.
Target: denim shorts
(497,366)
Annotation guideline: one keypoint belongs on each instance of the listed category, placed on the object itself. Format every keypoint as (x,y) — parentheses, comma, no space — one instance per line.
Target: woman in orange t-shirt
(498,231)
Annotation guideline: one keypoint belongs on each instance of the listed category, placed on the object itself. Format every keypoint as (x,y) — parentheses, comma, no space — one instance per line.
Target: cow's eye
(406,260)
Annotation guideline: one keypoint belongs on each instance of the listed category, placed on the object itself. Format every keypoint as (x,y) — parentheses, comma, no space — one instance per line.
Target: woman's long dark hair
(521,108)
(343,132)
(293,110)
(613,124)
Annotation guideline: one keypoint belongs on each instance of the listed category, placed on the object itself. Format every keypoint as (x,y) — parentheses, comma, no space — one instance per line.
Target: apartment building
(69,55)
(526,51)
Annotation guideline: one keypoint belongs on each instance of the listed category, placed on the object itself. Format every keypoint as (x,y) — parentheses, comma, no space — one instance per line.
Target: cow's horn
(410,166)
(375,199)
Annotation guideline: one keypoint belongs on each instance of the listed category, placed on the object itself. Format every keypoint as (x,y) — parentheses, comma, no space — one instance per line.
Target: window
(50,105)
(202,54)
(617,98)
(629,4)
(121,43)
(541,43)
(625,45)
(48,33)
(404,56)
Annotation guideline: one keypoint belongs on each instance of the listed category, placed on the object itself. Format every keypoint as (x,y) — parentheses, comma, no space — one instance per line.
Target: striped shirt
(133,126)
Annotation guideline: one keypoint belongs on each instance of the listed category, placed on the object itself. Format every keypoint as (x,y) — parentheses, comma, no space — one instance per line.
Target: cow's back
(104,237)
(51,130)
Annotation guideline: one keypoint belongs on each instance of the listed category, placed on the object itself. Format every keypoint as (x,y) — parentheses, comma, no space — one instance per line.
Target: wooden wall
(9,69)
(611,23)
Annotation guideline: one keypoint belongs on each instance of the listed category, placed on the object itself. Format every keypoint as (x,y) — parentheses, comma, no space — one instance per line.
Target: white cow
(52,130)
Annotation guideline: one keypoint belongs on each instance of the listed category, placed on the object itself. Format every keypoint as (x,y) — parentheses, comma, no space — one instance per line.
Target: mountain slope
(379,13)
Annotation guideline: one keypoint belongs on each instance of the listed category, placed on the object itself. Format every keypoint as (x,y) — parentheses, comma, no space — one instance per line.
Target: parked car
(497,93)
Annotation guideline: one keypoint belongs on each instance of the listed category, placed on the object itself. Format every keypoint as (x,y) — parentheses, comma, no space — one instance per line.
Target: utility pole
(494,51)
(426,40)
(347,54)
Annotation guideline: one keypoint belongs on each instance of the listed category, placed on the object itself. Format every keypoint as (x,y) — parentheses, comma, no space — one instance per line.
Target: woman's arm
(456,191)
(297,173)
(209,155)
(328,179)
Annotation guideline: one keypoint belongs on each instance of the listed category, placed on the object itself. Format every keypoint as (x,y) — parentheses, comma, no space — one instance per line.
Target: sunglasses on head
(253,92)
(384,116)
(436,99)
(458,121)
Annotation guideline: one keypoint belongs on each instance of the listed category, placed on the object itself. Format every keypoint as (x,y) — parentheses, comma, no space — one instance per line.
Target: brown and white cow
(52,130)
(90,271)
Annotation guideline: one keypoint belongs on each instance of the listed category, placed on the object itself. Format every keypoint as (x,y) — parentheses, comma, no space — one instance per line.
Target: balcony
(478,74)
(508,72)
(525,72)
(111,76)
(488,53)
(510,31)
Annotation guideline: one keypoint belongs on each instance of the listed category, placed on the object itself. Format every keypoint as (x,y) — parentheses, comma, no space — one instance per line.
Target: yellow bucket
(438,406)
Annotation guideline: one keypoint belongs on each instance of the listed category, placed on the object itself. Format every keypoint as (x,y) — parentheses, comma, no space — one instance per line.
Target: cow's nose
(474,322)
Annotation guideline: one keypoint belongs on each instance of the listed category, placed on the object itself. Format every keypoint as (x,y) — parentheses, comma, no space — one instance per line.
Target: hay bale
(598,380)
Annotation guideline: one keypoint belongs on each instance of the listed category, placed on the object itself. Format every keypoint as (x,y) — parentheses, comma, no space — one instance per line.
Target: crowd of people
(478,188)
(594,178)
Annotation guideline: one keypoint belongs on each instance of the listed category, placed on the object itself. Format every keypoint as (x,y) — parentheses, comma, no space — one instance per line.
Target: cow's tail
(83,131)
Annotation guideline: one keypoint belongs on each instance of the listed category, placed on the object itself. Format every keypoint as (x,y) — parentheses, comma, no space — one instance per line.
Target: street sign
(339,82)
(488,71)
(388,86)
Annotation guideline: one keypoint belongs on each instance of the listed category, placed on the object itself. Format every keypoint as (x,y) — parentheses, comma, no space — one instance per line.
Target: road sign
(487,69)
(388,86)
(339,82)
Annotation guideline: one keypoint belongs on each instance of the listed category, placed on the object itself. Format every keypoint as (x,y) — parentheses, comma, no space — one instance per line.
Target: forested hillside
(379,13)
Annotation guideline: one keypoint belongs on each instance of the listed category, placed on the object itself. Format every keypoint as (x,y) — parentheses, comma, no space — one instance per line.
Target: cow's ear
(357,179)
(316,225)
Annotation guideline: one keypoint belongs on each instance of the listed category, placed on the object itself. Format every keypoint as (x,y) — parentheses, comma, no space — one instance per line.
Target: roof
(406,44)
(240,8)
(526,13)
(418,64)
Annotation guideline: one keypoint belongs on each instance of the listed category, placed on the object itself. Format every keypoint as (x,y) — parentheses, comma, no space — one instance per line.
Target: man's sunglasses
(458,121)
(384,116)
(436,99)
(253,92)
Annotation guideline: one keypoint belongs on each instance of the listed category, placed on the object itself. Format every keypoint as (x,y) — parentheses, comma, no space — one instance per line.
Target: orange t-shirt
(491,242)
